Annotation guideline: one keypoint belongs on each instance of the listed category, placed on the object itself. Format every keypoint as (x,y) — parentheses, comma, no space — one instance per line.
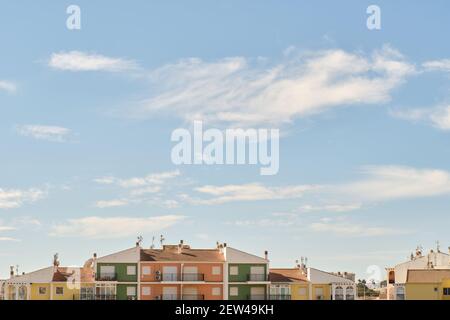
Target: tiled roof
(428,275)
(287,275)
(64,274)
(171,253)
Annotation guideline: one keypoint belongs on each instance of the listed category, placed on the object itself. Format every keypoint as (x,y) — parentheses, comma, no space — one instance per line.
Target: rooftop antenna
(17,269)
(438,246)
(139,241)
(161,240)
(153,243)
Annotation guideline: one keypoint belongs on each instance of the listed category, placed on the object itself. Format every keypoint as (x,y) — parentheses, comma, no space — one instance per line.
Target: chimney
(266,255)
(180,247)
(225,245)
(11,272)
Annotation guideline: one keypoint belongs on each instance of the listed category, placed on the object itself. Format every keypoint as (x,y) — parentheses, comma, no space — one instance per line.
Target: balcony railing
(279,297)
(193,277)
(257,297)
(105,297)
(257,277)
(180,297)
(169,277)
(106,277)
(193,297)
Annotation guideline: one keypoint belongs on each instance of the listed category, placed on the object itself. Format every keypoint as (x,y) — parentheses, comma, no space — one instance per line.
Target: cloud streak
(8,86)
(48,133)
(113,227)
(242,92)
(81,61)
(15,198)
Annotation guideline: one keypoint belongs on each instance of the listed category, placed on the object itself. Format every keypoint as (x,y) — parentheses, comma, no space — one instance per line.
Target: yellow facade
(427,291)
(40,291)
(300,291)
(321,292)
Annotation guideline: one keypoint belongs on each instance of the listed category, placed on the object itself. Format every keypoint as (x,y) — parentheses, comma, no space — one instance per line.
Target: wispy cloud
(349,229)
(438,117)
(248,192)
(9,239)
(329,208)
(82,61)
(396,182)
(8,86)
(151,179)
(40,132)
(15,198)
(111,203)
(437,65)
(113,227)
(242,92)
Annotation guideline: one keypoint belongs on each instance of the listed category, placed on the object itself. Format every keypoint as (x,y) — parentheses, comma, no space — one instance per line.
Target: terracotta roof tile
(170,253)
(287,275)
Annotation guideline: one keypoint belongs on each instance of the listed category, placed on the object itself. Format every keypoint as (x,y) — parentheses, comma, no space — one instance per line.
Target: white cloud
(151,179)
(113,227)
(438,117)
(248,192)
(9,239)
(330,207)
(345,228)
(8,86)
(237,91)
(111,203)
(15,198)
(49,133)
(396,182)
(81,61)
(437,65)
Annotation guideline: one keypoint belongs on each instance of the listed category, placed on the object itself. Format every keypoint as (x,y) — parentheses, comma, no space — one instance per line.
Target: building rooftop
(287,275)
(184,253)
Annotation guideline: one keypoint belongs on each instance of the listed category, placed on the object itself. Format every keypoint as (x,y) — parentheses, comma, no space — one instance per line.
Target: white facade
(341,288)
(19,287)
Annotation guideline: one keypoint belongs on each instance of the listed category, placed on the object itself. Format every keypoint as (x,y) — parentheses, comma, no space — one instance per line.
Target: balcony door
(257,293)
(170,293)
(257,273)
(170,273)
(190,273)
(190,293)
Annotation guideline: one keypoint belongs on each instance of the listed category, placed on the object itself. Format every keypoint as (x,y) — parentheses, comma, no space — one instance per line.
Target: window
(302,291)
(216,271)
(146,270)
(234,291)
(216,291)
(131,270)
(234,270)
(107,272)
(146,291)
(131,291)
(87,293)
(446,291)
(42,290)
(59,291)
(319,293)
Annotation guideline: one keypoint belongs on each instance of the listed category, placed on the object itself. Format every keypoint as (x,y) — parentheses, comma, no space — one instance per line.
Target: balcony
(257,297)
(257,277)
(279,297)
(106,277)
(105,297)
(193,277)
(169,277)
(191,297)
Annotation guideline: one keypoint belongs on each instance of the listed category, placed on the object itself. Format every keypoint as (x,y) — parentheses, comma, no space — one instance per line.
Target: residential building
(428,284)
(116,275)
(178,272)
(247,275)
(329,286)
(397,276)
(289,284)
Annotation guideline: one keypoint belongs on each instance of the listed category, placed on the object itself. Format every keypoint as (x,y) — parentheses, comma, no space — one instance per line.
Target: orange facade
(177,280)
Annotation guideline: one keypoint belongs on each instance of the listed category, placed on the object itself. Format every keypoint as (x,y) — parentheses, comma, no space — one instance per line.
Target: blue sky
(87,117)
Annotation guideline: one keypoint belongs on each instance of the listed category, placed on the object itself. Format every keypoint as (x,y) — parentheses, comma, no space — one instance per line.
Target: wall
(295,294)
(70,290)
(203,268)
(121,271)
(423,291)
(121,291)
(243,271)
(326,291)
(35,291)
(244,291)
